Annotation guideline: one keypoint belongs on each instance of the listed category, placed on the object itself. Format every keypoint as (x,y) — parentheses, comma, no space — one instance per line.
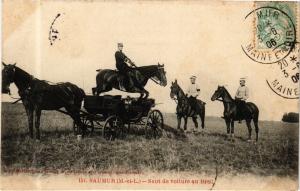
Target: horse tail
(81,93)
(255,117)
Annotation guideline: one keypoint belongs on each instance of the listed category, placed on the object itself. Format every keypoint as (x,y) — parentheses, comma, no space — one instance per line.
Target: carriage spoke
(154,124)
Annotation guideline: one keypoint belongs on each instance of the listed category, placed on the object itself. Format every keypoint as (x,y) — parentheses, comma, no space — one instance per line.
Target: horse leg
(232,130)
(185,123)
(202,116)
(30,121)
(178,121)
(128,129)
(227,121)
(248,123)
(256,129)
(147,94)
(143,92)
(141,96)
(75,115)
(255,121)
(37,122)
(195,122)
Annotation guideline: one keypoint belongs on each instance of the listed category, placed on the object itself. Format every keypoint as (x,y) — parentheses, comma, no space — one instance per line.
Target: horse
(108,79)
(231,112)
(38,95)
(184,109)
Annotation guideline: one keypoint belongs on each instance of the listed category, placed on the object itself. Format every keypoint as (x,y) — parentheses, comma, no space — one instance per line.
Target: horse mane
(147,70)
(226,91)
(180,90)
(23,73)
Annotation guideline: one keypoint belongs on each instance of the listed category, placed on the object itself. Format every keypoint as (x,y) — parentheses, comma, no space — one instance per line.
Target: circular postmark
(272,35)
(283,78)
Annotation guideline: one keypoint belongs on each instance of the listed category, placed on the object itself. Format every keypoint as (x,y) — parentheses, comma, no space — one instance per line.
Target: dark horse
(38,95)
(108,79)
(183,109)
(231,112)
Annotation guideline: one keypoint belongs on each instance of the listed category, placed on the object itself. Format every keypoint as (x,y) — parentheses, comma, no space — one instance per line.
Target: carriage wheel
(88,123)
(154,124)
(113,128)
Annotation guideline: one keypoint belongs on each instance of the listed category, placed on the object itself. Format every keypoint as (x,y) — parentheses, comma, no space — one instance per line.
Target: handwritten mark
(53,33)
(293,58)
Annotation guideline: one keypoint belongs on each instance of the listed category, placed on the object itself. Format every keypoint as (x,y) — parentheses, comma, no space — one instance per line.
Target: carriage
(113,115)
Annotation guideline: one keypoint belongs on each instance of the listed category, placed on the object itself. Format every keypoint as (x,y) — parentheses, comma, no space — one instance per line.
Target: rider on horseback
(242,94)
(122,66)
(192,94)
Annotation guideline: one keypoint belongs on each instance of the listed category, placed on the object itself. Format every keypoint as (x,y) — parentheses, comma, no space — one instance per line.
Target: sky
(190,38)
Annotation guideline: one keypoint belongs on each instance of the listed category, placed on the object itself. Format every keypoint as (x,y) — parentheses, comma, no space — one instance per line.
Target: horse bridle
(154,80)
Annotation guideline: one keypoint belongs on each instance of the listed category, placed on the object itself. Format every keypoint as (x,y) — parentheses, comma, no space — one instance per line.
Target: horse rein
(155,81)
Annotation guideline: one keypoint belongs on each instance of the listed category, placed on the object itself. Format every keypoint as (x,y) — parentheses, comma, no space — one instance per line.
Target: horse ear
(4,64)
(176,81)
(14,64)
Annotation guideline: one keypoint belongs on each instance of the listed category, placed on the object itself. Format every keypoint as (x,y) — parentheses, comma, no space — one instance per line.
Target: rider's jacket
(242,93)
(121,62)
(193,90)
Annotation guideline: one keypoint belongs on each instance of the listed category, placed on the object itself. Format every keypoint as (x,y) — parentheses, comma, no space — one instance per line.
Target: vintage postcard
(168,95)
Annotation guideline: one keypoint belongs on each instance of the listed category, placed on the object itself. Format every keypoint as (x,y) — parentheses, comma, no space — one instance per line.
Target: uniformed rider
(121,64)
(193,91)
(241,96)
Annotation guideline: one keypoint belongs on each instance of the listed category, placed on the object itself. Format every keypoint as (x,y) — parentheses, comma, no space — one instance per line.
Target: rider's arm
(126,59)
(246,96)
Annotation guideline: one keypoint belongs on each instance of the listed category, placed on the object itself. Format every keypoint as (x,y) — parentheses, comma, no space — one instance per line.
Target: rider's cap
(243,79)
(120,44)
(193,77)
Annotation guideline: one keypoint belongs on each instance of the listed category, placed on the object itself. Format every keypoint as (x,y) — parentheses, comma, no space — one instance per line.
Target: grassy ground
(276,153)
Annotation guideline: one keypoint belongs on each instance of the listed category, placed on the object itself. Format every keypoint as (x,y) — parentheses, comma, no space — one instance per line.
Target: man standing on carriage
(193,92)
(241,96)
(122,66)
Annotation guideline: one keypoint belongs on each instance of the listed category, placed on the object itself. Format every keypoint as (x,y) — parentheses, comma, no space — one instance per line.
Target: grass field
(276,153)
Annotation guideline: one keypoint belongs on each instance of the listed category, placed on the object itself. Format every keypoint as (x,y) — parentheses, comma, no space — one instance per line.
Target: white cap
(243,79)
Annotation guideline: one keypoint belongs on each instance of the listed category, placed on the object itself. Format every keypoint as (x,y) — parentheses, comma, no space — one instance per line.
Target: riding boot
(124,83)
